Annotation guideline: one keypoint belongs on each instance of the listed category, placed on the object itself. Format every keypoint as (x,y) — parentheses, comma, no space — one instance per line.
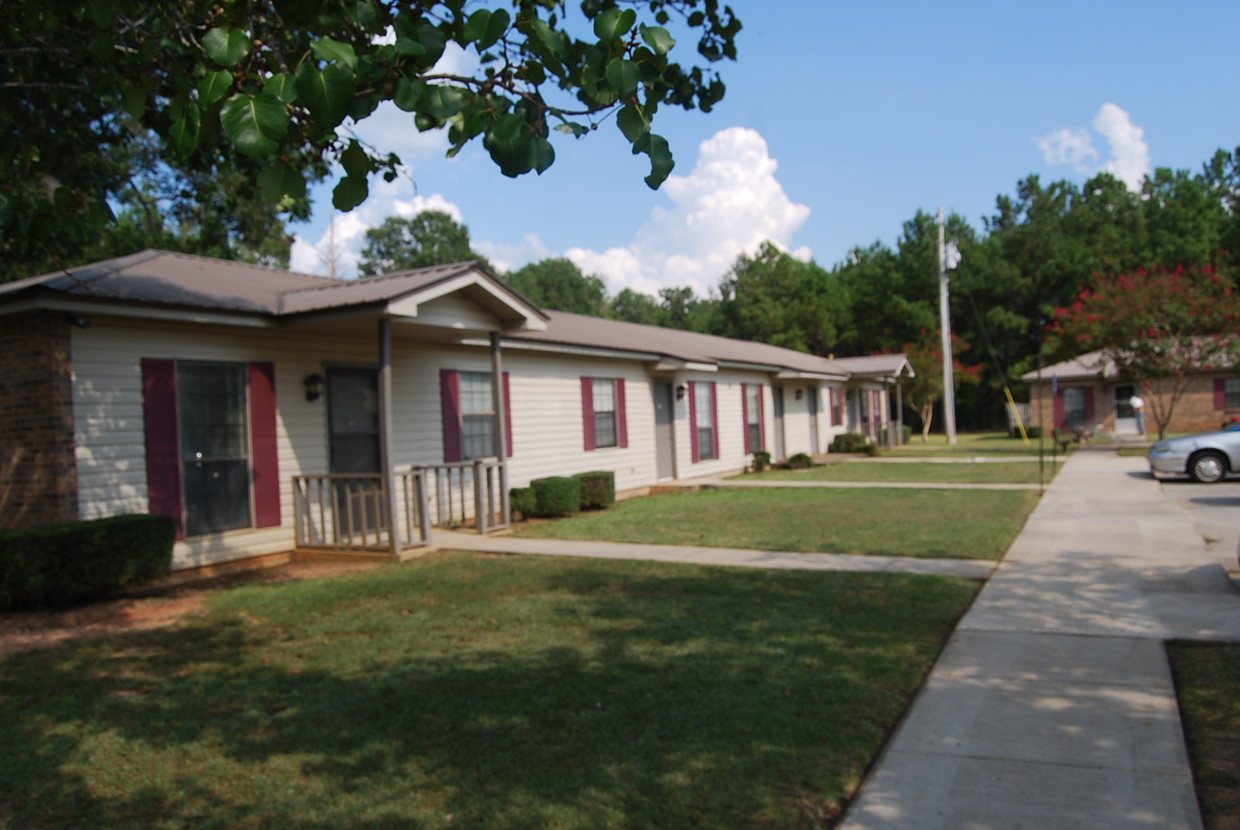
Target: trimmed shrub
(761,460)
(81,561)
(908,433)
(800,461)
(849,442)
(556,496)
(598,489)
(1032,432)
(522,500)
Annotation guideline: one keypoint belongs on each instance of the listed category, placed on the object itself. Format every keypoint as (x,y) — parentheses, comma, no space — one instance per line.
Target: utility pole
(945,328)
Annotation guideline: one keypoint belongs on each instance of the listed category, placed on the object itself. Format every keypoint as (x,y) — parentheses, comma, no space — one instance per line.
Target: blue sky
(841,121)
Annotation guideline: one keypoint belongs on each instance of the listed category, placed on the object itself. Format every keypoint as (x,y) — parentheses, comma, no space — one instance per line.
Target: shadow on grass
(686,700)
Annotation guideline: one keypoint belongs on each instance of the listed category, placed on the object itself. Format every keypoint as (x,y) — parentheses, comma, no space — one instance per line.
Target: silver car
(1206,457)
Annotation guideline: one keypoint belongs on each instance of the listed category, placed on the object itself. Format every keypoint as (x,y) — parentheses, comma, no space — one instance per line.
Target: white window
(604,403)
(477,416)
(704,420)
(753,417)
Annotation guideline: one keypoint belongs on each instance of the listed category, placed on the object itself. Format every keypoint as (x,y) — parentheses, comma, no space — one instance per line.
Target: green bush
(522,500)
(908,433)
(81,561)
(556,496)
(761,460)
(849,442)
(598,489)
(800,461)
(1032,432)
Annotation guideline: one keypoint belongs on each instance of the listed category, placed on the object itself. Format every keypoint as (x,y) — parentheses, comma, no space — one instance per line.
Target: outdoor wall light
(800,394)
(680,392)
(315,386)
(77,320)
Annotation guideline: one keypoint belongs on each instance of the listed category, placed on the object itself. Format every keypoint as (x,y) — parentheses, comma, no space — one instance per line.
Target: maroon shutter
(163,456)
(587,412)
(622,421)
(1089,406)
(694,455)
(450,402)
(508,414)
(745,416)
(762,417)
(1059,410)
(1220,393)
(265,460)
(714,419)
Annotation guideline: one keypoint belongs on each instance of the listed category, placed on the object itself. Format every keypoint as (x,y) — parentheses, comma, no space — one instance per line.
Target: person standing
(1138,409)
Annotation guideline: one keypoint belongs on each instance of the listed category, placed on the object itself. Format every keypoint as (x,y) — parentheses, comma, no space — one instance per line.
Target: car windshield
(1232,427)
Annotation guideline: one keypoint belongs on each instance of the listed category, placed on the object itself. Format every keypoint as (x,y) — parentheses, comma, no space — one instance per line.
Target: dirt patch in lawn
(146,609)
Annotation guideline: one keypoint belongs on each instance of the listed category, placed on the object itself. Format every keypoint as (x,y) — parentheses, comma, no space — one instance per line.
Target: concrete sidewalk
(1052,705)
(731,557)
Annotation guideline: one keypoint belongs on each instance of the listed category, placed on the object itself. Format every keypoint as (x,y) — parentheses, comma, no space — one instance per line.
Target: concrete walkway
(1052,705)
(732,557)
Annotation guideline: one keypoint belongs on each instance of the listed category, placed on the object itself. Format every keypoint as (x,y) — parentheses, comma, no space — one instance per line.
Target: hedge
(522,500)
(81,561)
(598,489)
(556,496)
(849,442)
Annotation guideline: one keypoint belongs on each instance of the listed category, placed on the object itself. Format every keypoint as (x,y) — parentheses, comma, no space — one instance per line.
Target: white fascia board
(793,375)
(748,367)
(258,319)
(408,307)
(559,348)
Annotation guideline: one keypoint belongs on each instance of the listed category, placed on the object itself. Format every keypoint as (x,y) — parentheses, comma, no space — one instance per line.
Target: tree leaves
(326,93)
(226,46)
(255,124)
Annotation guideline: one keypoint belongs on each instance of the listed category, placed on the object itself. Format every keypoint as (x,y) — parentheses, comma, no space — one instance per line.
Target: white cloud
(729,204)
(345,237)
(1075,147)
(1130,155)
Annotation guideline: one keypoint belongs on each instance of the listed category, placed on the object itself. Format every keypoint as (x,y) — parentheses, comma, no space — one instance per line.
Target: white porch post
(501,420)
(387,437)
(900,407)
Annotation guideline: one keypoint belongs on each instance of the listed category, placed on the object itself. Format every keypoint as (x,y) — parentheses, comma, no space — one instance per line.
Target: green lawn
(985,443)
(1021,472)
(484,692)
(957,524)
(1207,676)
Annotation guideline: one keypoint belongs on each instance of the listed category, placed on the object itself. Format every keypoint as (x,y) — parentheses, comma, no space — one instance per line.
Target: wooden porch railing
(349,511)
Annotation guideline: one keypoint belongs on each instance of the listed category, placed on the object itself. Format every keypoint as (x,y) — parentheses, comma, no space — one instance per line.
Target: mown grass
(486,692)
(1207,677)
(982,443)
(1023,472)
(956,524)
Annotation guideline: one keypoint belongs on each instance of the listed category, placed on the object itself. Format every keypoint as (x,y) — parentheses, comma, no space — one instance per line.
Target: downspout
(387,437)
(501,422)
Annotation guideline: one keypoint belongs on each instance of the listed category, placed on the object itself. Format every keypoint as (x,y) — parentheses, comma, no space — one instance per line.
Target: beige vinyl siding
(110,437)
(548,430)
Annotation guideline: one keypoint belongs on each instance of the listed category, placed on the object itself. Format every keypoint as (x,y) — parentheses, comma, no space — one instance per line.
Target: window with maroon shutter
(211,452)
(468,412)
(751,413)
(603,413)
(703,404)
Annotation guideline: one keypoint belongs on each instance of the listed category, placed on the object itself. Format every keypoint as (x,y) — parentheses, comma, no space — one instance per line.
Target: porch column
(501,420)
(387,437)
(900,407)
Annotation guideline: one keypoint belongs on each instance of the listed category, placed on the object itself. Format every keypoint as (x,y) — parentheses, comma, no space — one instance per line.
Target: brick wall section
(1195,412)
(38,476)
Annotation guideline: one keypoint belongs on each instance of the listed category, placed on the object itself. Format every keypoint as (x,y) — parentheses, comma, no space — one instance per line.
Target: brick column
(38,474)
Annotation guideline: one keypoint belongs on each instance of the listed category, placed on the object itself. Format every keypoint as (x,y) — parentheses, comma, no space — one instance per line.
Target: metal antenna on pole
(945,328)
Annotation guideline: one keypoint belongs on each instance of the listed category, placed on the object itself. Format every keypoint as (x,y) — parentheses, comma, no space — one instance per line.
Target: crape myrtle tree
(924,389)
(268,88)
(1159,327)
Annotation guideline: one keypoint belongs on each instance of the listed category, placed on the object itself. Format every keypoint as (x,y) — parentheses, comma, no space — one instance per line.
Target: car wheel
(1207,467)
